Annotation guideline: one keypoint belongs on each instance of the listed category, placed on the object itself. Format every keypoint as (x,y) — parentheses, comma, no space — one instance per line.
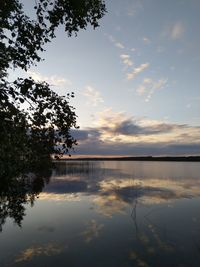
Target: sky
(135,78)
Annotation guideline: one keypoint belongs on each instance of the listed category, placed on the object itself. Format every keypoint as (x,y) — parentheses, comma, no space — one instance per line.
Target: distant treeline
(145,158)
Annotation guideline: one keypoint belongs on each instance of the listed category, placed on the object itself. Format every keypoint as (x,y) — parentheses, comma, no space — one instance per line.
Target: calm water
(103,213)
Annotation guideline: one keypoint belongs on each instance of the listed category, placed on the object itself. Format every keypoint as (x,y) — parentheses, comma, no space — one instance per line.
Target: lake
(103,214)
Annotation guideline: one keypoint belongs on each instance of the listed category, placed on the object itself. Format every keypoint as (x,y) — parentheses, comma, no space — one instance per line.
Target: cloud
(115,42)
(121,124)
(113,193)
(79,134)
(93,96)
(146,40)
(137,71)
(60,197)
(134,8)
(53,80)
(117,133)
(116,194)
(114,188)
(109,204)
(177,31)
(129,127)
(138,149)
(111,38)
(174,31)
(119,45)
(93,231)
(36,251)
(85,134)
(133,49)
(148,87)
(126,60)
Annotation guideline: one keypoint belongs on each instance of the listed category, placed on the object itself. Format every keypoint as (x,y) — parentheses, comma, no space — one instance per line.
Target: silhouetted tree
(17,191)
(42,126)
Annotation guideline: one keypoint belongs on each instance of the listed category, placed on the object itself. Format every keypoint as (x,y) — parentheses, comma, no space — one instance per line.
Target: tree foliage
(34,120)
(17,192)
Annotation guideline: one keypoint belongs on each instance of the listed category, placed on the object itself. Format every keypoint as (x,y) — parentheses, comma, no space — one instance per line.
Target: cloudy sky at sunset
(136,78)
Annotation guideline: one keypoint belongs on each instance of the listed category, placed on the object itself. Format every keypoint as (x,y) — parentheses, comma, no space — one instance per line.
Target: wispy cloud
(93,231)
(93,96)
(149,87)
(177,31)
(53,80)
(146,40)
(174,31)
(119,45)
(134,7)
(137,71)
(126,60)
(35,251)
(115,42)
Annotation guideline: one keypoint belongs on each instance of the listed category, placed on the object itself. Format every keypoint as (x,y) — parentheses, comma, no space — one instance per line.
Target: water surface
(104,213)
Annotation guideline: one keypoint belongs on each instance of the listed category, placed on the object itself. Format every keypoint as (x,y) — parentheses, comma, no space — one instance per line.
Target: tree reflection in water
(22,187)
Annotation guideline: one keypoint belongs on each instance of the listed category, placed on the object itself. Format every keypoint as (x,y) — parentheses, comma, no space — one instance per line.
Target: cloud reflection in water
(114,189)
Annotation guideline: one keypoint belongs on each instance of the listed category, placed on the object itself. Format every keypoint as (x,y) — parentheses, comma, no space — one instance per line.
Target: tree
(42,126)
(16,193)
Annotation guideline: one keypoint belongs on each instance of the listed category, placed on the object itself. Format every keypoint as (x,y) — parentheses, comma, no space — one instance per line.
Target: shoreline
(144,158)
